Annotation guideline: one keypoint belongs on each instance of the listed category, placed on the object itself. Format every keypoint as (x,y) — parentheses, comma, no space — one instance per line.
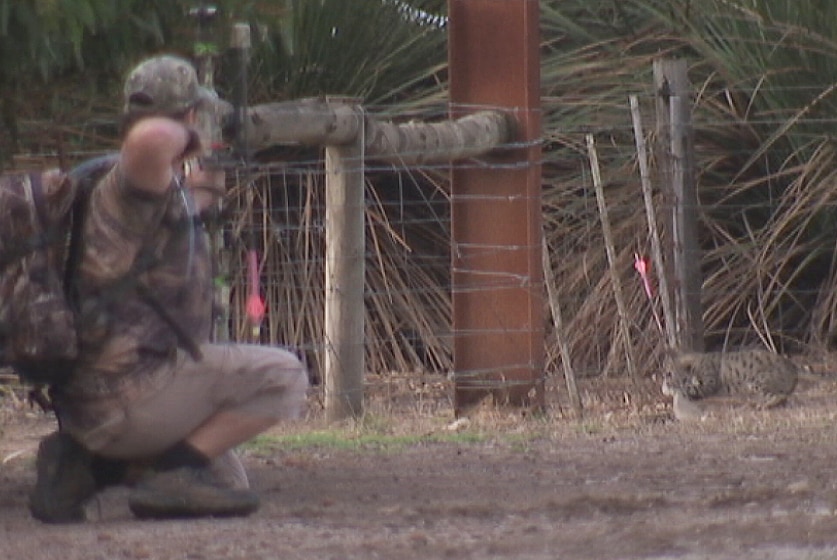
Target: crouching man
(150,387)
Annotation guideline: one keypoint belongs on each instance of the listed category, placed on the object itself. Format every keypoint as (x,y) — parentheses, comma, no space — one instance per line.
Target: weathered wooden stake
(653,229)
(624,320)
(675,147)
(558,325)
(345,274)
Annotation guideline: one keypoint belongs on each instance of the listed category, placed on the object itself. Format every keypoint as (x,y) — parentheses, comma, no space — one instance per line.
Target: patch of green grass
(372,435)
(370,432)
(590,428)
(346,440)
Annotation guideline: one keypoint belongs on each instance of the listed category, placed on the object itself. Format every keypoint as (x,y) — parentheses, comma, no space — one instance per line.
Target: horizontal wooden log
(327,123)
(414,143)
(309,121)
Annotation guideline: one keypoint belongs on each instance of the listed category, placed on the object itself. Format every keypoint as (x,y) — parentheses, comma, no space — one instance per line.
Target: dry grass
(413,405)
(411,408)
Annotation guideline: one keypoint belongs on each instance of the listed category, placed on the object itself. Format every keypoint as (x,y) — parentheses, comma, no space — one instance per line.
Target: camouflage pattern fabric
(134,240)
(164,85)
(37,330)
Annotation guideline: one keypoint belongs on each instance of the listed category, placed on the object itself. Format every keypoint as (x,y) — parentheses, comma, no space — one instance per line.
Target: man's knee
(298,383)
(289,384)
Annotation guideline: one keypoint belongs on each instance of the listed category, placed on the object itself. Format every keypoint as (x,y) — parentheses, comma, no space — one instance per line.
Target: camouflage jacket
(134,240)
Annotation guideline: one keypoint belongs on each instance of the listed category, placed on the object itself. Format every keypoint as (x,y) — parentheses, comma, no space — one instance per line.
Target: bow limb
(255,306)
(208,125)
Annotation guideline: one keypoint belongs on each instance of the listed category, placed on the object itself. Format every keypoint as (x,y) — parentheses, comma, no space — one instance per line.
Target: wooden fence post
(344,277)
(350,136)
(675,148)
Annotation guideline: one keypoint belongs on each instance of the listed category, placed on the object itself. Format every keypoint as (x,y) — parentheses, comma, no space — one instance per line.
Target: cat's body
(766,375)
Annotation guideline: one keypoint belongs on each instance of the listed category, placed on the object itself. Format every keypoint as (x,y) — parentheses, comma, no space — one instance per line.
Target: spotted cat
(769,376)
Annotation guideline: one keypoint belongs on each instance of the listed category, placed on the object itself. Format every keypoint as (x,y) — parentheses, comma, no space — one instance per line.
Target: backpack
(41,217)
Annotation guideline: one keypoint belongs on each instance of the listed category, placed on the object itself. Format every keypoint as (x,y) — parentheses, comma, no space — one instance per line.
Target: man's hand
(206,184)
(152,148)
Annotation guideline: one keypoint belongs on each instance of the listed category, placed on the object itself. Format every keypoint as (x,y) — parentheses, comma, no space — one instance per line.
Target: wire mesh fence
(766,237)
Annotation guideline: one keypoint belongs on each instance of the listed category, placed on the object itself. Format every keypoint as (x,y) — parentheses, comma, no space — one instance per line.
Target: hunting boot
(190,492)
(229,471)
(65,480)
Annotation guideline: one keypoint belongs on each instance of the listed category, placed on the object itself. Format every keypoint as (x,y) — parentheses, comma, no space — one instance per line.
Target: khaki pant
(261,381)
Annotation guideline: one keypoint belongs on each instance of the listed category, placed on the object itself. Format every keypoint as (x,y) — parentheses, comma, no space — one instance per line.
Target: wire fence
(768,257)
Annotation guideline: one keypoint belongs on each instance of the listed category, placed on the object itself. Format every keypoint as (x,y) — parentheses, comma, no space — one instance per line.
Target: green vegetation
(360,440)
(64,61)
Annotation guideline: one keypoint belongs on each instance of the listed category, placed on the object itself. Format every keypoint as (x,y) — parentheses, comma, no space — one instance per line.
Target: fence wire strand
(409,248)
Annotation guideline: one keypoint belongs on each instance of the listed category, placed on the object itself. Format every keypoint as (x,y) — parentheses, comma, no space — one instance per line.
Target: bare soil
(407,482)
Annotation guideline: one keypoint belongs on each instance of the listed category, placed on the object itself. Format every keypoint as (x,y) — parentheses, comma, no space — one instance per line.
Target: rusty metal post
(496,246)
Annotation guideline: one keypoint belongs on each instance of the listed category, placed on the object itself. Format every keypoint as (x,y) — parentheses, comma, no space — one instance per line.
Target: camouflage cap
(163,85)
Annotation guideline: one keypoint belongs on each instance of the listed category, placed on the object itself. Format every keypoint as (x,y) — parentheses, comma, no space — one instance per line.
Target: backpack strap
(36,187)
(87,175)
(186,341)
(75,246)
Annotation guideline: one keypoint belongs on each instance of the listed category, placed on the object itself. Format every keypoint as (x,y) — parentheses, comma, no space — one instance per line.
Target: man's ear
(191,116)
(193,145)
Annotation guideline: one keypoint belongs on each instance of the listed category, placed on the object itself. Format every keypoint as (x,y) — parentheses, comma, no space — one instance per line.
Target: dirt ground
(626,482)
